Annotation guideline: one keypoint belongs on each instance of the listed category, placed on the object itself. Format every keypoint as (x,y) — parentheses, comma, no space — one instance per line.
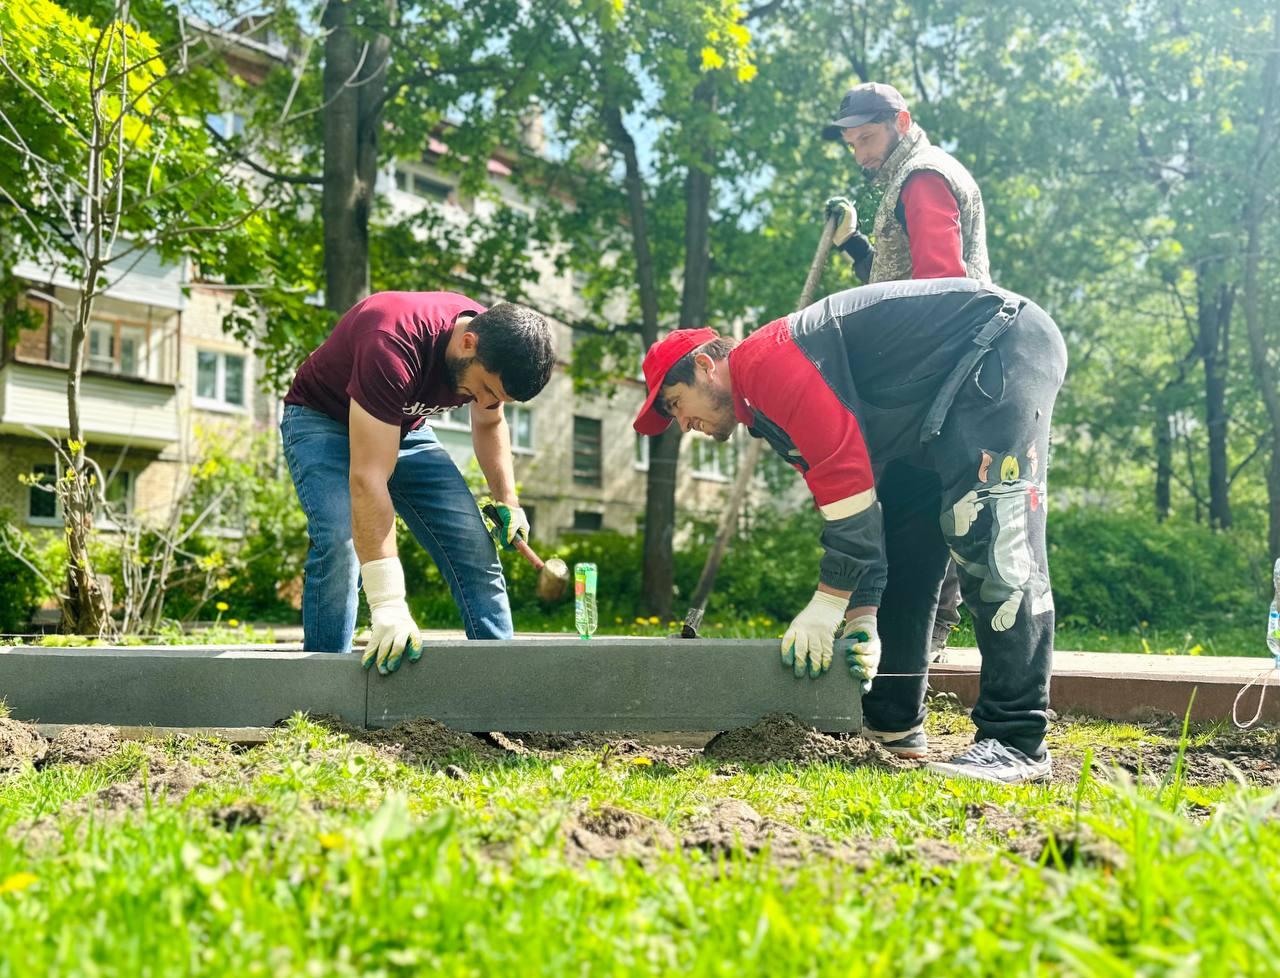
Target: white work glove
(394,631)
(848,225)
(810,641)
(861,643)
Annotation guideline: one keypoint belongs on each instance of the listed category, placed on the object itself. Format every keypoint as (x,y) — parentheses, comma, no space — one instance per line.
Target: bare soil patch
(20,745)
(781,738)
(83,744)
(610,832)
(729,827)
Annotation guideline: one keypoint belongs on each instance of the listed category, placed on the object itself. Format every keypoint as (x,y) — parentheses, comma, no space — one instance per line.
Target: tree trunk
(658,575)
(1214,316)
(1254,210)
(85,611)
(1164,464)
(354,82)
(729,518)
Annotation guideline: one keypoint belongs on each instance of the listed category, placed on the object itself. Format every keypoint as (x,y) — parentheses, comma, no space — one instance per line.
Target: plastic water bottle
(584,599)
(1273,619)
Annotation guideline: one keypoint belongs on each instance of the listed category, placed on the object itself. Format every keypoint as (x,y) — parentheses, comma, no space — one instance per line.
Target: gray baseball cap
(863,103)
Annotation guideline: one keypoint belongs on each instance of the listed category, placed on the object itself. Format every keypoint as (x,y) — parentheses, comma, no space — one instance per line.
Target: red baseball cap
(662,356)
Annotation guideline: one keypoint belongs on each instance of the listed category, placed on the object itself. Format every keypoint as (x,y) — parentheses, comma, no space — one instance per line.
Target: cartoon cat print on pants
(1008,572)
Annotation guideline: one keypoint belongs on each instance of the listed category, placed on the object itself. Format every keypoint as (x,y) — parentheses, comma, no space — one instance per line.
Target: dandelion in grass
(17,882)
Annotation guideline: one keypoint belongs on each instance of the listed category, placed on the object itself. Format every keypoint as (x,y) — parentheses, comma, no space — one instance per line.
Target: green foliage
(253,533)
(20,589)
(769,574)
(1121,570)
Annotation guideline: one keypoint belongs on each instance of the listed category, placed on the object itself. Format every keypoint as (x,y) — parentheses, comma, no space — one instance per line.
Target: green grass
(365,866)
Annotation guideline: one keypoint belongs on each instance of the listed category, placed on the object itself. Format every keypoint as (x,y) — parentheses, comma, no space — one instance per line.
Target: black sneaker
(990,760)
(912,744)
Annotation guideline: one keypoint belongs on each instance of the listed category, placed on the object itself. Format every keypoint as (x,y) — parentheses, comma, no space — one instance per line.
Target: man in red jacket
(919,414)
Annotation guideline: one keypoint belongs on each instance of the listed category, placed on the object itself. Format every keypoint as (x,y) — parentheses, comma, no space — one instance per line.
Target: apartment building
(160,373)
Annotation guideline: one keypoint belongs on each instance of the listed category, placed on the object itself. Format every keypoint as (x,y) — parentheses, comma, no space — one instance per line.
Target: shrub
(1122,569)
(20,588)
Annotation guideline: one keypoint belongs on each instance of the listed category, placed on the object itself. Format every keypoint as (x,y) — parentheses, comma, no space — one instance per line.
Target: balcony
(116,410)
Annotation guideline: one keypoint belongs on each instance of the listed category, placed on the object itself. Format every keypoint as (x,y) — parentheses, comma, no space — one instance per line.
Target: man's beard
(894,140)
(722,403)
(456,367)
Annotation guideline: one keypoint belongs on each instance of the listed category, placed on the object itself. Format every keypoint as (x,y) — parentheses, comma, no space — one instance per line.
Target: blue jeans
(428,493)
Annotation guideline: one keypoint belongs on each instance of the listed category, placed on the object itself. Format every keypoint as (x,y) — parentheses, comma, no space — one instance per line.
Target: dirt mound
(610,833)
(781,738)
(20,745)
(82,744)
(728,827)
(239,814)
(537,740)
(733,825)
(426,741)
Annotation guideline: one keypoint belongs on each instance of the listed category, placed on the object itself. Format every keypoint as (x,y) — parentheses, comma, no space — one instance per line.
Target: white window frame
(704,450)
(56,519)
(640,464)
(230,122)
(100,519)
(510,412)
(439,190)
(219,402)
(446,421)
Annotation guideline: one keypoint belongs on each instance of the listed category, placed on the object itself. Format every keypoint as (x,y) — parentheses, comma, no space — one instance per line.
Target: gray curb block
(640,685)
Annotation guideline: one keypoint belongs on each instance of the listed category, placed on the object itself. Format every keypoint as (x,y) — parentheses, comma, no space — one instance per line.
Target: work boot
(912,744)
(991,760)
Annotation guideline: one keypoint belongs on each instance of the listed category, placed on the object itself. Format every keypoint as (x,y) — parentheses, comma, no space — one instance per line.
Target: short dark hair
(515,343)
(684,370)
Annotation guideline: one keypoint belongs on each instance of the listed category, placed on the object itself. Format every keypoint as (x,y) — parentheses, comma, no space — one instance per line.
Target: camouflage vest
(893,250)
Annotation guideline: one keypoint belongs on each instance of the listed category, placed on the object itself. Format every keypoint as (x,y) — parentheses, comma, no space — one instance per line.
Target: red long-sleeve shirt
(932,217)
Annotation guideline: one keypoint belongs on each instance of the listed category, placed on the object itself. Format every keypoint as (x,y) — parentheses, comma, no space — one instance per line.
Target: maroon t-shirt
(387,352)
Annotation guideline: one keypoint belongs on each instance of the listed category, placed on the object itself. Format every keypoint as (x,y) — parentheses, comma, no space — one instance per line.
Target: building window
(641,457)
(226,124)
(119,496)
(587,451)
(44,507)
(42,502)
(712,460)
(219,380)
(110,347)
(520,421)
(421,185)
(456,419)
(584,522)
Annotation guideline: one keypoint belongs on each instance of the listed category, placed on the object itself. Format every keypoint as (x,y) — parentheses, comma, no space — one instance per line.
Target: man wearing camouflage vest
(930,224)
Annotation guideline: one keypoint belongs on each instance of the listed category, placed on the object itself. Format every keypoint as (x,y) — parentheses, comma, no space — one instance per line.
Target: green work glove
(810,641)
(860,642)
(843,208)
(394,632)
(511,523)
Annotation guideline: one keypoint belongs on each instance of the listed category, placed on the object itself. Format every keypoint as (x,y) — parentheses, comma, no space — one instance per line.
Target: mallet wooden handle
(491,511)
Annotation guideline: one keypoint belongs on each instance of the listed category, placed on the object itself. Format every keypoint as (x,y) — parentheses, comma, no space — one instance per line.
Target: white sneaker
(991,760)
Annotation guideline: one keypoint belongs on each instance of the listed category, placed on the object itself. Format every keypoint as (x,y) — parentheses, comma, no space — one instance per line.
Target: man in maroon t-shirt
(360,453)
